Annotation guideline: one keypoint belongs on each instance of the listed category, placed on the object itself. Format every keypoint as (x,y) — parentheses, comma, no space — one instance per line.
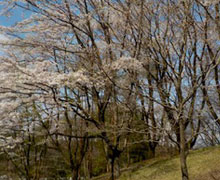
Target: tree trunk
(184,169)
(128,157)
(183,152)
(152,148)
(112,168)
(115,168)
(75,174)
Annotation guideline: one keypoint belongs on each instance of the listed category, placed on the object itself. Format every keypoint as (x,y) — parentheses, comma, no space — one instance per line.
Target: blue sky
(16,15)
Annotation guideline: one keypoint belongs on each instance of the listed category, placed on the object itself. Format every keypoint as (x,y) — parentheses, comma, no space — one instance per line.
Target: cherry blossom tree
(74,62)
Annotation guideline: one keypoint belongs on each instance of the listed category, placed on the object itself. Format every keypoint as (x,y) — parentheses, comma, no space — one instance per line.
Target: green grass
(203,164)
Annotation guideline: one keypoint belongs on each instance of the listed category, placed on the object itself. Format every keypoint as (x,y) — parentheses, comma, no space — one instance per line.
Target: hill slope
(203,164)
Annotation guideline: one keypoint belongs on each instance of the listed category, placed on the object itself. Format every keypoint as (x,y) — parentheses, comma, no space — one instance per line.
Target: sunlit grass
(202,164)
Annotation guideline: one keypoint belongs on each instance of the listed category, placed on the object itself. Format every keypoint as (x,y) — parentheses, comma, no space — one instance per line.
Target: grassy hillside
(204,164)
